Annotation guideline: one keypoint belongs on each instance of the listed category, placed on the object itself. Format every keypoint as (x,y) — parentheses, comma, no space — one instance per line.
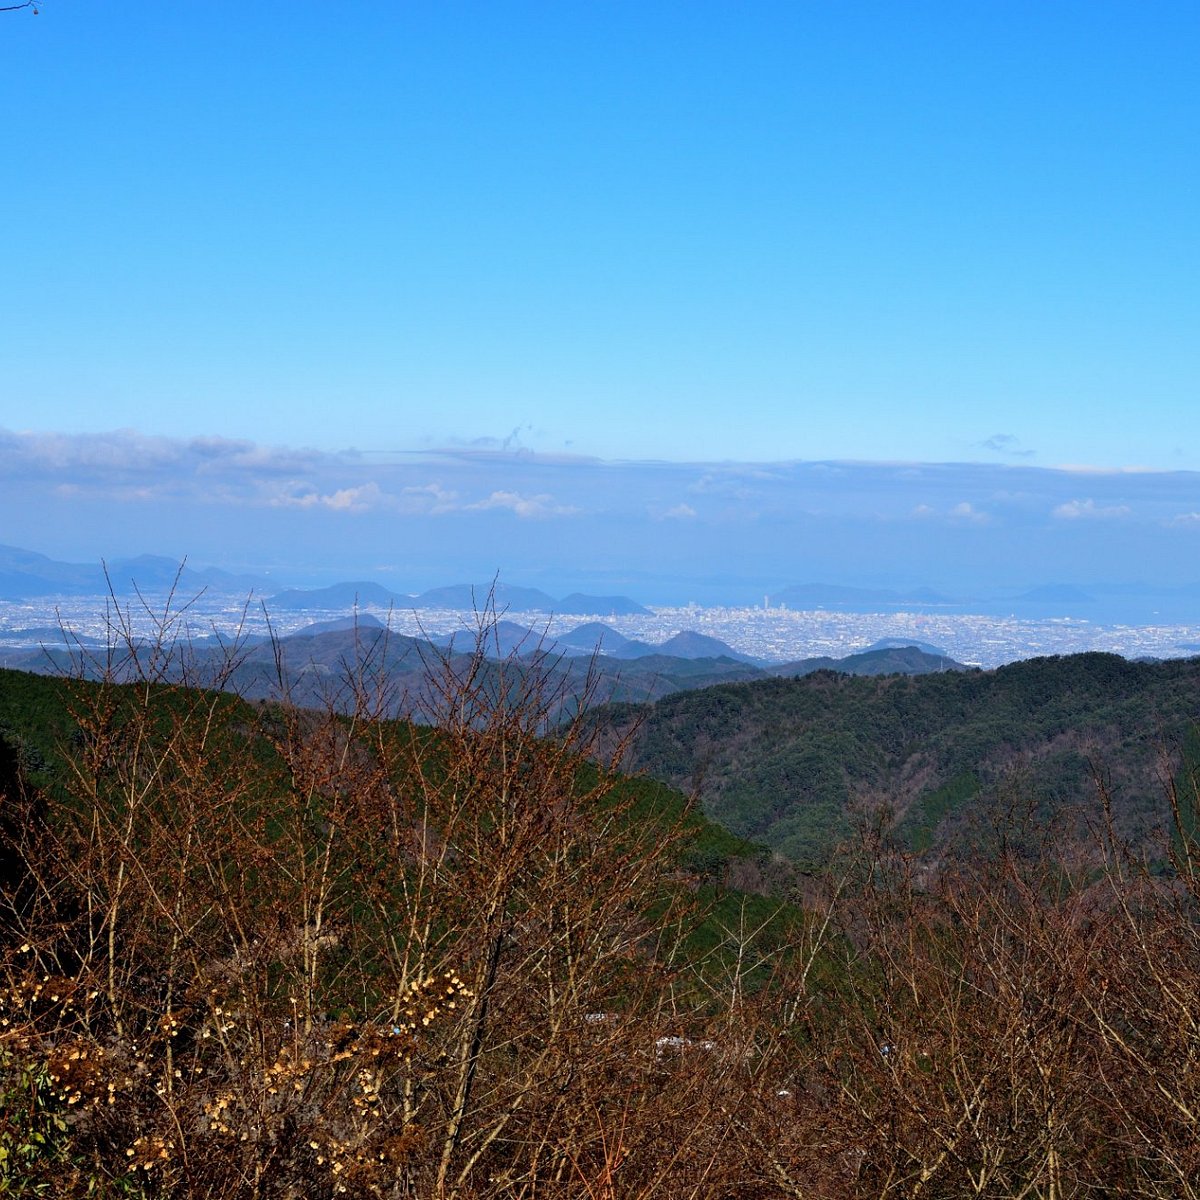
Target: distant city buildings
(774,634)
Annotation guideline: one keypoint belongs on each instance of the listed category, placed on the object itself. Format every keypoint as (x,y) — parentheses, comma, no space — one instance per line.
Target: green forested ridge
(35,721)
(787,761)
(38,725)
(40,737)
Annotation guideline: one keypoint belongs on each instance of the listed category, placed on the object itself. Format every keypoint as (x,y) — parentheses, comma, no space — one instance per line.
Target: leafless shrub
(327,953)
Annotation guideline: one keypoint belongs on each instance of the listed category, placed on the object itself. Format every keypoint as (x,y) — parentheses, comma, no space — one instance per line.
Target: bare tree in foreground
(275,952)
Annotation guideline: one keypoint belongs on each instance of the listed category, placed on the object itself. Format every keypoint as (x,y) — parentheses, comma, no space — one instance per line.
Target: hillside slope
(788,761)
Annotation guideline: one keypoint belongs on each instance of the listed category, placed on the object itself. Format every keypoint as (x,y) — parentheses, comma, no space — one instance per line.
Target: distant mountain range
(315,660)
(460,597)
(345,596)
(508,637)
(25,574)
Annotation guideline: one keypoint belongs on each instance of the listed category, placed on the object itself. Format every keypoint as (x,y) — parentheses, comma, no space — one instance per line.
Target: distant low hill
(578,604)
(502,639)
(899,643)
(687,644)
(338,595)
(363,622)
(466,597)
(594,636)
(900,659)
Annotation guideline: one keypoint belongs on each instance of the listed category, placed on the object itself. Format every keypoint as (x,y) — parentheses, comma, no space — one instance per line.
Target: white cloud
(965,511)
(1088,469)
(1006,443)
(428,498)
(477,451)
(354,499)
(121,450)
(542,505)
(128,452)
(220,454)
(359,499)
(1187,518)
(1075,510)
(737,481)
(731,487)
(682,512)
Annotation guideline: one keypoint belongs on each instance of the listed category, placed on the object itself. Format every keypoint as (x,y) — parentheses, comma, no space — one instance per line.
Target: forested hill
(787,761)
(40,735)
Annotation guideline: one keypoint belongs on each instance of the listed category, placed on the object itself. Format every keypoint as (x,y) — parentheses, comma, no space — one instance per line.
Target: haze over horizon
(662,532)
(673,299)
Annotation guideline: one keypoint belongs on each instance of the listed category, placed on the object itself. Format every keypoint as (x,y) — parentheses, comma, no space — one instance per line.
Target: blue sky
(657,233)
